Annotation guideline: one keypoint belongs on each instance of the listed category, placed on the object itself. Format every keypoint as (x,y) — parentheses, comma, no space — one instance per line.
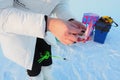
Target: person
(23,29)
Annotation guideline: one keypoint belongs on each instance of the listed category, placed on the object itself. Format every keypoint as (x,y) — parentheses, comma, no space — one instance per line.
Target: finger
(74,33)
(79,24)
(74,24)
(81,27)
(72,37)
(67,41)
(73,30)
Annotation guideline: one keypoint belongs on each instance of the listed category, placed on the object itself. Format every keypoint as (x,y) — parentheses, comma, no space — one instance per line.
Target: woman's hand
(67,32)
(79,25)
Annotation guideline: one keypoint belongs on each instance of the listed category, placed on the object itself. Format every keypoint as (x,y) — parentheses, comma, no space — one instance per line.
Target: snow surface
(84,61)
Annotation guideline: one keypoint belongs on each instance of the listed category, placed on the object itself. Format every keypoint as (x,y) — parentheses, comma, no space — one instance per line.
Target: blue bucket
(101,31)
(100,36)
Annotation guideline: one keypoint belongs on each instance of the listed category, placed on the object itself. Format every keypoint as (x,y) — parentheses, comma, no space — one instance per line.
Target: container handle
(116,25)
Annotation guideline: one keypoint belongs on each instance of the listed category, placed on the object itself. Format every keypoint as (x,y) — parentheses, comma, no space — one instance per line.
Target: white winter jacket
(22,22)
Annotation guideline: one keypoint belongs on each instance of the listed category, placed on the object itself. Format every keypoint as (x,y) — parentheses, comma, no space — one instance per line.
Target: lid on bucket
(108,20)
(104,23)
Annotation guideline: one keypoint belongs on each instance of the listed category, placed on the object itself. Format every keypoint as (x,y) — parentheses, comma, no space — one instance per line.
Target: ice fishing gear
(102,27)
(47,55)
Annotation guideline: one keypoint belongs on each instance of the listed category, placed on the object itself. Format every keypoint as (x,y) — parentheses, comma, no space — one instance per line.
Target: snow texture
(84,61)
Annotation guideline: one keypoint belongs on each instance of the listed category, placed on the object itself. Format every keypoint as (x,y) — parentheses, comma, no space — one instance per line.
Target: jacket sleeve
(62,10)
(13,20)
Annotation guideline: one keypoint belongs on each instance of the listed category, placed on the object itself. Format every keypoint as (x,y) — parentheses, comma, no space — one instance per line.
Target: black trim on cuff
(46,23)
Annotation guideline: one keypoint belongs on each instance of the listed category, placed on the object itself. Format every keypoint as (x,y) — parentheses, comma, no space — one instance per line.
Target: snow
(84,61)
